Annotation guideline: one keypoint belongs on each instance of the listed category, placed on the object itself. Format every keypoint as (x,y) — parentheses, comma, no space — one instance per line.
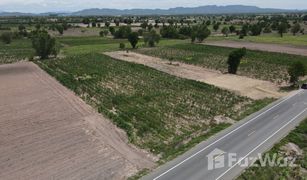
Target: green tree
(60,29)
(295,71)
(255,30)
(122,46)
(6,37)
(144,25)
(169,32)
(232,29)
(44,44)
(244,30)
(21,27)
(267,29)
(107,24)
(122,32)
(105,32)
(193,37)
(112,30)
(140,31)
(225,31)
(295,28)
(208,23)
(282,28)
(101,33)
(150,26)
(151,38)
(133,38)
(86,21)
(185,30)
(234,60)
(201,32)
(216,26)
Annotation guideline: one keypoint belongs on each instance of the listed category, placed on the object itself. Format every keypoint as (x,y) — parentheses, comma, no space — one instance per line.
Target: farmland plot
(46,132)
(252,88)
(20,49)
(159,112)
(260,65)
(261,47)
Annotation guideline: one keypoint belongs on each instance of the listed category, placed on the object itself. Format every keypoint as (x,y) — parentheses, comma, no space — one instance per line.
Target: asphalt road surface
(227,154)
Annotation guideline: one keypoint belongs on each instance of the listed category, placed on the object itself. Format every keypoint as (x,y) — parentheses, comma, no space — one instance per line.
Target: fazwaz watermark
(220,159)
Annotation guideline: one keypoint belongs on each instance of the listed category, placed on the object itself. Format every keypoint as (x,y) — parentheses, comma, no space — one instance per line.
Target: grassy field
(83,45)
(298,137)
(159,112)
(261,65)
(21,49)
(93,40)
(16,51)
(289,39)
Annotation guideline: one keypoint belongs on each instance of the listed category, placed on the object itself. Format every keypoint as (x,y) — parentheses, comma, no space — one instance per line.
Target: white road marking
(276,116)
(219,155)
(298,92)
(251,133)
(262,143)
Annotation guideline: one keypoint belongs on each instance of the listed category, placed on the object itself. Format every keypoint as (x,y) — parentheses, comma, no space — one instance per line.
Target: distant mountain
(212,9)
(16,14)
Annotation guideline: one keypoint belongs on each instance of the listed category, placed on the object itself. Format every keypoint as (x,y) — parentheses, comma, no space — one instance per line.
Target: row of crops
(257,64)
(159,112)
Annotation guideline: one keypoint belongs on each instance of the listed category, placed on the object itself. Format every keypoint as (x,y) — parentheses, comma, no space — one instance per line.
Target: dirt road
(253,88)
(46,132)
(261,47)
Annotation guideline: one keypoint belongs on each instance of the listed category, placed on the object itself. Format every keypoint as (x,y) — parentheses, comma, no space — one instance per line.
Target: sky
(38,6)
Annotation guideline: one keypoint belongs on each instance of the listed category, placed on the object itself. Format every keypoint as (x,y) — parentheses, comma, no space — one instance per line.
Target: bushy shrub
(133,38)
(295,71)
(44,44)
(169,32)
(6,37)
(151,38)
(201,32)
(122,46)
(234,60)
(122,32)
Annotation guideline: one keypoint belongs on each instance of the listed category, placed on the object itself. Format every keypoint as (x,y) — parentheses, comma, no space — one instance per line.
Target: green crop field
(298,137)
(261,65)
(94,40)
(159,112)
(84,45)
(288,39)
(16,51)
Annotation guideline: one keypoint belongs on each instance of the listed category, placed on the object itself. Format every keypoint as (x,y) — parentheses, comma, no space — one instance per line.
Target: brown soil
(47,132)
(261,47)
(253,88)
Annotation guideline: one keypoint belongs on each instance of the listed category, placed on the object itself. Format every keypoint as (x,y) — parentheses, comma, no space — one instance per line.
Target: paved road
(255,134)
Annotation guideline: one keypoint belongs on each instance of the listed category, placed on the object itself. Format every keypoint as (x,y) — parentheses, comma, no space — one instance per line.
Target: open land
(252,88)
(49,133)
(261,65)
(280,48)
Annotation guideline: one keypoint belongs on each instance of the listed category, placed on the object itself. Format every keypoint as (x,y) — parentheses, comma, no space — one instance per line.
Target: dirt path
(262,47)
(47,132)
(255,89)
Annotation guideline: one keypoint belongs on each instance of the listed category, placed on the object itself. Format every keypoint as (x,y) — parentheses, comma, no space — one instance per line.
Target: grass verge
(298,137)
